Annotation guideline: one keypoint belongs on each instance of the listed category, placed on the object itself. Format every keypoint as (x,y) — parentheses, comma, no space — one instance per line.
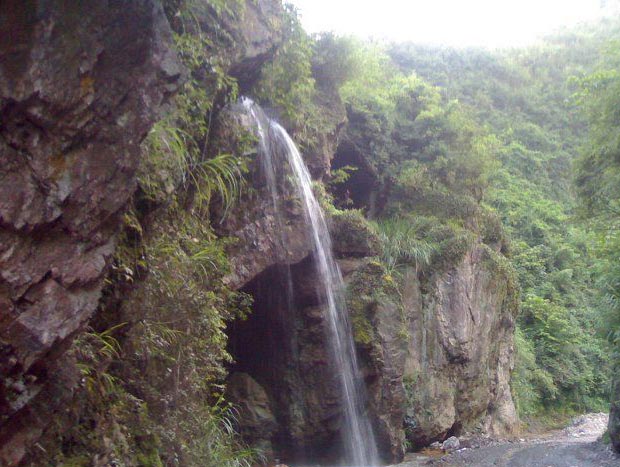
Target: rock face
(254,408)
(80,85)
(436,350)
(378,329)
(459,359)
(334,118)
(614,414)
(242,35)
(259,225)
(258,37)
(282,345)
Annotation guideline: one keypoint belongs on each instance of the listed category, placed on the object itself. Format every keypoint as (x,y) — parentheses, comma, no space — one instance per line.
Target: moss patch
(369,287)
(352,234)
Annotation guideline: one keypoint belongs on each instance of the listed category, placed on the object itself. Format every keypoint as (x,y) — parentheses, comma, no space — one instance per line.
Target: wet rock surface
(266,234)
(252,405)
(80,86)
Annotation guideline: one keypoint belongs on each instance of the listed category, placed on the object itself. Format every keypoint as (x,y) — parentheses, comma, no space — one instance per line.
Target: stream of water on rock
(360,446)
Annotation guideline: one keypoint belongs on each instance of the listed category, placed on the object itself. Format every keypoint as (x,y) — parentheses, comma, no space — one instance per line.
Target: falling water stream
(360,447)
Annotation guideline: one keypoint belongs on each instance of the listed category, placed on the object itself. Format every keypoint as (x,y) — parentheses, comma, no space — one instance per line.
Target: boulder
(253,411)
(451,444)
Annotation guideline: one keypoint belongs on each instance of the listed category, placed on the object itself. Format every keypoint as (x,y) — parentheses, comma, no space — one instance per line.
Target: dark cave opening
(281,346)
(363,189)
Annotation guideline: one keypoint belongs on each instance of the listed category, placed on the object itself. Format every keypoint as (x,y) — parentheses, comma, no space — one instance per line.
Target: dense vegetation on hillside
(597,181)
(527,99)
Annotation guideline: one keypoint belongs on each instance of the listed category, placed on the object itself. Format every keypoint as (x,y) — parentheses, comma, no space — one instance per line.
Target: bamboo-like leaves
(401,244)
(223,175)
(175,158)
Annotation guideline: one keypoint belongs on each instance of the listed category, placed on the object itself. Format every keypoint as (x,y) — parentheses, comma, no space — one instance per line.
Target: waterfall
(360,447)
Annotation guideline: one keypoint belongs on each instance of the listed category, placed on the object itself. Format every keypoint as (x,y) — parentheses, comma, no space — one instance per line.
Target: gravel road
(578,445)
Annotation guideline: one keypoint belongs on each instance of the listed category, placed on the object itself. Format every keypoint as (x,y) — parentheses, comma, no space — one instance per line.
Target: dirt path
(577,445)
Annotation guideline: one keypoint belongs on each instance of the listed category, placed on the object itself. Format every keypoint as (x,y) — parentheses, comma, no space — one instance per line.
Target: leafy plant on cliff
(404,243)
(157,381)
(287,82)
(95,351)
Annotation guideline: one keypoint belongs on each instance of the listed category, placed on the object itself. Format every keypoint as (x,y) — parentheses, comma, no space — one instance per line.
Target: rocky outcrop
(613,426)
(460,347)
(333,120)
(257,37)
(80,86)
(379,327)
(282,345)
(258,225)
(252,405)
(436,350)
(265,233)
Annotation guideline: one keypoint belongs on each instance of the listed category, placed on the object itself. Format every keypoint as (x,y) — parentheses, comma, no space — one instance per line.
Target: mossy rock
(451,250)
(503,270)
(352,235)
(368,288)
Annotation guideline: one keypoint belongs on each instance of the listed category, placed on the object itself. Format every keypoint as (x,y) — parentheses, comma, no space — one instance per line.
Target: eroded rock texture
(282,346)
(266,232)
(460,350)
(80,85)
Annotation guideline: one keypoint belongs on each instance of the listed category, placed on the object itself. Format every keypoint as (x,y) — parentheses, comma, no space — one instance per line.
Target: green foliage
(470,138)
(217,443)
(403,132)
(287,82)
(177,161)
(598,173)
(154,383)
(175,164)
(94,352)
(333,61)
(403,243)
(341,175)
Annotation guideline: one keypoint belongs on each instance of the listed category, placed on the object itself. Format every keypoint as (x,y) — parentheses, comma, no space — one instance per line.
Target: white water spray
(360,447)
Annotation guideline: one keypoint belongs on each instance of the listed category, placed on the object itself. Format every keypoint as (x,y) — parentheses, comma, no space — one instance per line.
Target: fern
(219,444)
(95,351)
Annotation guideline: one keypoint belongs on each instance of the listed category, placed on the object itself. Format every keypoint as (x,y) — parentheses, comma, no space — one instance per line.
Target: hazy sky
(491,23)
